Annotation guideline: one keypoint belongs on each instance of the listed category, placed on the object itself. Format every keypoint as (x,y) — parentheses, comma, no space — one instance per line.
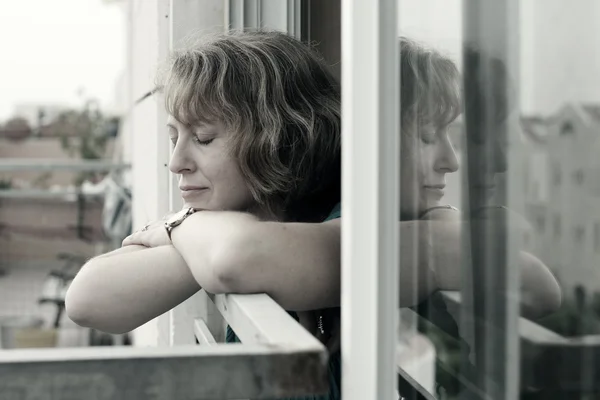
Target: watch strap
(182,215)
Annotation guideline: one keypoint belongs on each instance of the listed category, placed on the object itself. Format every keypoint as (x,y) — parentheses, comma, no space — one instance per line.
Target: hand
(153,234)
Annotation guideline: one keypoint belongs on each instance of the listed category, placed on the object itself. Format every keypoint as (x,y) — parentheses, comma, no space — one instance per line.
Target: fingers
(131,240)
(135,237)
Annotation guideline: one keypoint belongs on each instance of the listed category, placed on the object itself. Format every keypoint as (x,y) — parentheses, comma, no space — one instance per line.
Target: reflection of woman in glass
(434,80)
(489,118)
(431,100)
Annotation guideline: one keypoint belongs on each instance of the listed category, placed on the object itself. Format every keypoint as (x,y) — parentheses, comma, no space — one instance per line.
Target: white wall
(153,28)
(147,151)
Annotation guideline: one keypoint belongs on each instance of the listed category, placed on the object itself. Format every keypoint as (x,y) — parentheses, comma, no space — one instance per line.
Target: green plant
(6,183)
(42,179)
(579,315)
(84,134)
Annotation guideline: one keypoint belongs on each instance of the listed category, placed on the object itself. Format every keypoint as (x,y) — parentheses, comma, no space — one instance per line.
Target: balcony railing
(279,358)
(547,359)
(45,165)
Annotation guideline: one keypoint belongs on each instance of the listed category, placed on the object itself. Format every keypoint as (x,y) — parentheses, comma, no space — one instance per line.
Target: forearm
(540,292)
(429,260)
(443,258)
(119,292)
(297,264)
(120,251)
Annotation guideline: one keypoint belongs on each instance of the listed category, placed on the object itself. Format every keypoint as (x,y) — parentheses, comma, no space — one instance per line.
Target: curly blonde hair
(283,104)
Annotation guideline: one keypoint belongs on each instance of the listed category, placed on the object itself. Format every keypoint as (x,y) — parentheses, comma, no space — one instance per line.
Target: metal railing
(547,359)
(45,165)
(278,358)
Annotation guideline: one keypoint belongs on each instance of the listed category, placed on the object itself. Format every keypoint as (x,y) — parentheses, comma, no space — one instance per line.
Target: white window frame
(282,15)
(370,193)
(489,315)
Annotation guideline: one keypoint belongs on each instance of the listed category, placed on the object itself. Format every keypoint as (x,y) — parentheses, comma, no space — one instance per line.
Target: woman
(254,119)
(487,115)
(255,122)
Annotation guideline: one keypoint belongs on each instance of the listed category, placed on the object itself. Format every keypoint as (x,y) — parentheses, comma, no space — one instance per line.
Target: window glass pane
(527,182)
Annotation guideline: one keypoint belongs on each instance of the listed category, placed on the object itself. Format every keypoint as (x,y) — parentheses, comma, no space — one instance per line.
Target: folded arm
(539,291)
(120,291)
(296,264)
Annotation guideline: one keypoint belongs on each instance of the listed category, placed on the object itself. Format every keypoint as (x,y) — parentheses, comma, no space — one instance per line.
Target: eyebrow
(211,132)
(199,124)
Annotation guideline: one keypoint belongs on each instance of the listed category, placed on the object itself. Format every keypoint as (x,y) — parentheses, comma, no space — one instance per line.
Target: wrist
(174,220)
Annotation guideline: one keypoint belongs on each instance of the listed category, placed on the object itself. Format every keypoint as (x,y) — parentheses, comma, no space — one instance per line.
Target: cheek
(215,164)
(409,183)
(429,155)
(230,185)
(409,167)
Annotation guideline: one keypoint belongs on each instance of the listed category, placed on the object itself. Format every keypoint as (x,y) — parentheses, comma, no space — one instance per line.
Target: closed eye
(203,142)
(173,134)
(428,138)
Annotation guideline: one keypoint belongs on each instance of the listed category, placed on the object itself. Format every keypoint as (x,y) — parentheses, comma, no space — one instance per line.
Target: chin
(430,204)
(197,206)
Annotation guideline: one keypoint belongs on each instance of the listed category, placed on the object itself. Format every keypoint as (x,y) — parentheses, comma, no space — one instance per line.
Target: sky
(559,57)
(53,49)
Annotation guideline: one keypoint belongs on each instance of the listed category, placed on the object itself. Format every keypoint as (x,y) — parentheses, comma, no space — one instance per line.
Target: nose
(447,161)
(181,162)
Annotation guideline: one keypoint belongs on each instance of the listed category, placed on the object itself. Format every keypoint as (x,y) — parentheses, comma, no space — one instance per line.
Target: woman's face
(427,155)
(209,177)
(491,147)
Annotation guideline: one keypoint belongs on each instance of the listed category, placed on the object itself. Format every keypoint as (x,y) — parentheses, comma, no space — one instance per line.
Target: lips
(435,190)
(191,191)
(185,188)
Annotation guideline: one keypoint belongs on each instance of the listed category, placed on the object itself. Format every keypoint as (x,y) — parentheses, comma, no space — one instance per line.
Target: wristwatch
(177,218)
